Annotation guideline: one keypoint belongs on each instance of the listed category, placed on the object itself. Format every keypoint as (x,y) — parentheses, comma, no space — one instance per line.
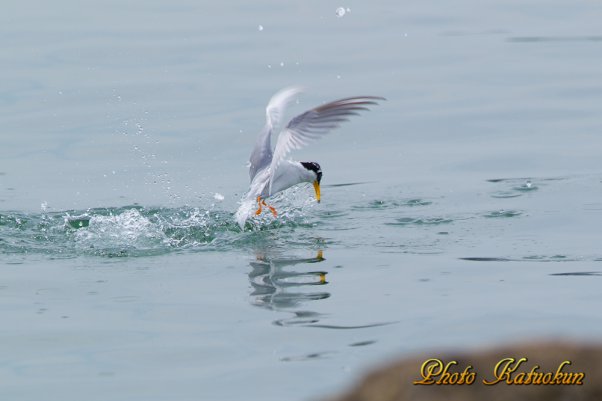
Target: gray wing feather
(315,123)
(261,156)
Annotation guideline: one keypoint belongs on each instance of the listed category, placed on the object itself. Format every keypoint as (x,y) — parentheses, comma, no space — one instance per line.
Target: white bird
(269,172)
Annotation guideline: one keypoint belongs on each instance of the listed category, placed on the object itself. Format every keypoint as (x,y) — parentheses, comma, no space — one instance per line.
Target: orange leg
(258,212)
(271,209)
(260,203)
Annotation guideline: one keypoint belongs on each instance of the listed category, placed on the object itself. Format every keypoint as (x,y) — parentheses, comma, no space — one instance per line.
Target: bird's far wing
(278,104)
(262,152)
(315,123)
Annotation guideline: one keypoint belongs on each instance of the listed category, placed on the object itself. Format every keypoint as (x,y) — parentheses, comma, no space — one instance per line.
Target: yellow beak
(317,188)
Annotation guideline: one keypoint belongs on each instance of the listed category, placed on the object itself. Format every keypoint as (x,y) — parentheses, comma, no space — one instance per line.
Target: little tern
(269,172)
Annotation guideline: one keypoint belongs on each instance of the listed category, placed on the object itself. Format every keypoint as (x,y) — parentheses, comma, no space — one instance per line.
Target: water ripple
(532,258)
(514,187)
(577,274)
(557,39)
(378,204)
(503,214)
(420,221)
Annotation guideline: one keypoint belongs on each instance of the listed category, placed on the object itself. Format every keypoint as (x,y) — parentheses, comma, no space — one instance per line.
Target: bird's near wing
(261,156)
(315,123)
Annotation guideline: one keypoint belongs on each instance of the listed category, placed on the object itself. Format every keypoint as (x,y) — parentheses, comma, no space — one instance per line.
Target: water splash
(290,205)
(341,12)
(131,231)
(139,231)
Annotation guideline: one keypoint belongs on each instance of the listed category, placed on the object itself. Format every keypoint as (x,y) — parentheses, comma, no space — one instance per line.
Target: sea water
(465,210)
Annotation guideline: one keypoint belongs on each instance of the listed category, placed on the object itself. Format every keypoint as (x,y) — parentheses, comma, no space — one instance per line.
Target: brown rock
(395,381)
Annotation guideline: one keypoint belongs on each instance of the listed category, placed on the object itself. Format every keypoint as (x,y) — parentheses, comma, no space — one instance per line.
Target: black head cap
(315,167)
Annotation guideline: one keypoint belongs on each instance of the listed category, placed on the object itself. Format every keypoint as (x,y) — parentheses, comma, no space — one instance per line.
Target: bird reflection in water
(277,287)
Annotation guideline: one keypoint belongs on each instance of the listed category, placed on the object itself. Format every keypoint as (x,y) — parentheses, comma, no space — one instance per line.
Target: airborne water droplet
(260,28)
(340,12)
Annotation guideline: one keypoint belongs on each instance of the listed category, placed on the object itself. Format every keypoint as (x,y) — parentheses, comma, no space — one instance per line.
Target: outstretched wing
(262,152)
(315,123)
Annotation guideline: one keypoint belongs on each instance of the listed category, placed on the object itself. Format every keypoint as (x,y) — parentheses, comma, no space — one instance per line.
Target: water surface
(462,211)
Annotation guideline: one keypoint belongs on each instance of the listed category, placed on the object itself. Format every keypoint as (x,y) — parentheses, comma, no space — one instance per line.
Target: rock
(394,382)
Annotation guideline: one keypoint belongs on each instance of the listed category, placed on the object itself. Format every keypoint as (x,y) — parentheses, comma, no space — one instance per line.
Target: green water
(465,210)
